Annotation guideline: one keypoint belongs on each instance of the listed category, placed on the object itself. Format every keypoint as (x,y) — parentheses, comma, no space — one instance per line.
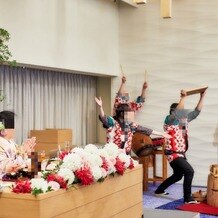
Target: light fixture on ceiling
(166,8)
(140,2)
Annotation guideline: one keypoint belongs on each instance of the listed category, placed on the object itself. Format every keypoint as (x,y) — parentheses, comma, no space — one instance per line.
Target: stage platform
(157,213)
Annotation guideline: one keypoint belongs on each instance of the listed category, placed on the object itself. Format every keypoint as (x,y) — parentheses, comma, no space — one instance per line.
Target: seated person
(10,160)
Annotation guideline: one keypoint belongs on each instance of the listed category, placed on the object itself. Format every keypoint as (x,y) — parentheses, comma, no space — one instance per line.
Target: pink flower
(104,163)
(84,175)
(131,166)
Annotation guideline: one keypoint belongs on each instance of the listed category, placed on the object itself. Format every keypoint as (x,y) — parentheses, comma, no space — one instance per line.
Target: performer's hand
(167,136)
(145,85)
(202,94)
(183,93)
(123,79)
(99,101)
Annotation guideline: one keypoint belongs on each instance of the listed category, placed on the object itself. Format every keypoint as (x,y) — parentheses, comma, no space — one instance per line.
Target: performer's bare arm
(144,87)
(121,90)
(182,100)
(163,134)
(100,104)
(200,102)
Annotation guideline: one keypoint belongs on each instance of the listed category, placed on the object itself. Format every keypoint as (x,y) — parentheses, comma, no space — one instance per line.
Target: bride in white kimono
(10,160)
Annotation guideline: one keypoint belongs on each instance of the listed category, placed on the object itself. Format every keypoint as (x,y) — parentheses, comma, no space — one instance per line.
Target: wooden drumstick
(121,70)
(145,75)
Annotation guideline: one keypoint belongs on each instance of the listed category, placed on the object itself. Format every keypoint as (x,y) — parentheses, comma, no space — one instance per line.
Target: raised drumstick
(145,75)
(121,70)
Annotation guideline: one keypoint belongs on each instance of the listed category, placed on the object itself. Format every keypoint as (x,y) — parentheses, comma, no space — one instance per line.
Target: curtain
(48,99)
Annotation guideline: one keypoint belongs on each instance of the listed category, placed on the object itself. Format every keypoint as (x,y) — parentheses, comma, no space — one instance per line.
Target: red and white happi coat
(177,143)
(134,105)
(116,135)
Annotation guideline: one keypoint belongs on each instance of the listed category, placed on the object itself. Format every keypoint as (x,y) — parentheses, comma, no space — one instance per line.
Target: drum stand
(151,161)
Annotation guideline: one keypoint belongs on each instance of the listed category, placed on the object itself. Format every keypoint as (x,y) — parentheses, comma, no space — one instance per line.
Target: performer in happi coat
(176,124)
(121,127)
(123,97)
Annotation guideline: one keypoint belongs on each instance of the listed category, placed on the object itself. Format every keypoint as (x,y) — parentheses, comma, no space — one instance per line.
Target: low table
(118,196)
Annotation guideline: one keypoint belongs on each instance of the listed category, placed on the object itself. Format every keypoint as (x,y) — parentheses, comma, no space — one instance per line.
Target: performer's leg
(188,177)
(177,175)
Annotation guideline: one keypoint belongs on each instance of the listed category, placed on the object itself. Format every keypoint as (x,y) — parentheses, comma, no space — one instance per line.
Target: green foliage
(36,191)
(2,96)
(5,54)
(101,179)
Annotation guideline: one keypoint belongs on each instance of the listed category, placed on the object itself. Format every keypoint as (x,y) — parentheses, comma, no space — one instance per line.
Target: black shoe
(161,193)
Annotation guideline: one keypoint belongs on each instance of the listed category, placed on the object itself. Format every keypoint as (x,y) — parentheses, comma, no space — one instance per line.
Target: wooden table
(118,197)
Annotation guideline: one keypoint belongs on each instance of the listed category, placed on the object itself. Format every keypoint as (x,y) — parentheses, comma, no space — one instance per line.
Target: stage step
(159,213)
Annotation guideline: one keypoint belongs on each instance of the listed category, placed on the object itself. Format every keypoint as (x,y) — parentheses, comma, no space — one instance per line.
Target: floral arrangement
(83,166)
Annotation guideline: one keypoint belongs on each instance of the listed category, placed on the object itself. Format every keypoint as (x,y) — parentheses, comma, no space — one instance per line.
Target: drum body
(142,145)
(212,186)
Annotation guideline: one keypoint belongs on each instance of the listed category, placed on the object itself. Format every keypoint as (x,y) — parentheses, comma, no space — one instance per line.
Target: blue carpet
(169,202)
(172,206)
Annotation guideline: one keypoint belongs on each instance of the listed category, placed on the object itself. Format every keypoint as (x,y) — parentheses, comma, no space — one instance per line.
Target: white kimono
(7,154)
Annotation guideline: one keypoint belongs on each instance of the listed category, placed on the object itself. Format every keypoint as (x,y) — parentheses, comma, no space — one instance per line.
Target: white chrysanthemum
(54,185)
(121,151)
(111,168)
(39,183)
(79,151)
(96,172)
(125,159)
(67,174)
(72,161)
(111,149)
(103,153)
(93,160)
(92,149)
(51,166)
(104,173)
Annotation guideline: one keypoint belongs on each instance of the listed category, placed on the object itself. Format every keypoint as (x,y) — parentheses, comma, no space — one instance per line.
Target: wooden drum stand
(147,150)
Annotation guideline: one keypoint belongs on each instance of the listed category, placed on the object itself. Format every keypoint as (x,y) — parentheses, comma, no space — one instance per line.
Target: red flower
(104,163)
(22,186)
(85,175)
(63,154)
(131,166)
(120,166)
(58,179)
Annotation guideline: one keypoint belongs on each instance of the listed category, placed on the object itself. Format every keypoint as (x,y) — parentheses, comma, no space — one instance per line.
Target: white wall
(77,35)
(178,53)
